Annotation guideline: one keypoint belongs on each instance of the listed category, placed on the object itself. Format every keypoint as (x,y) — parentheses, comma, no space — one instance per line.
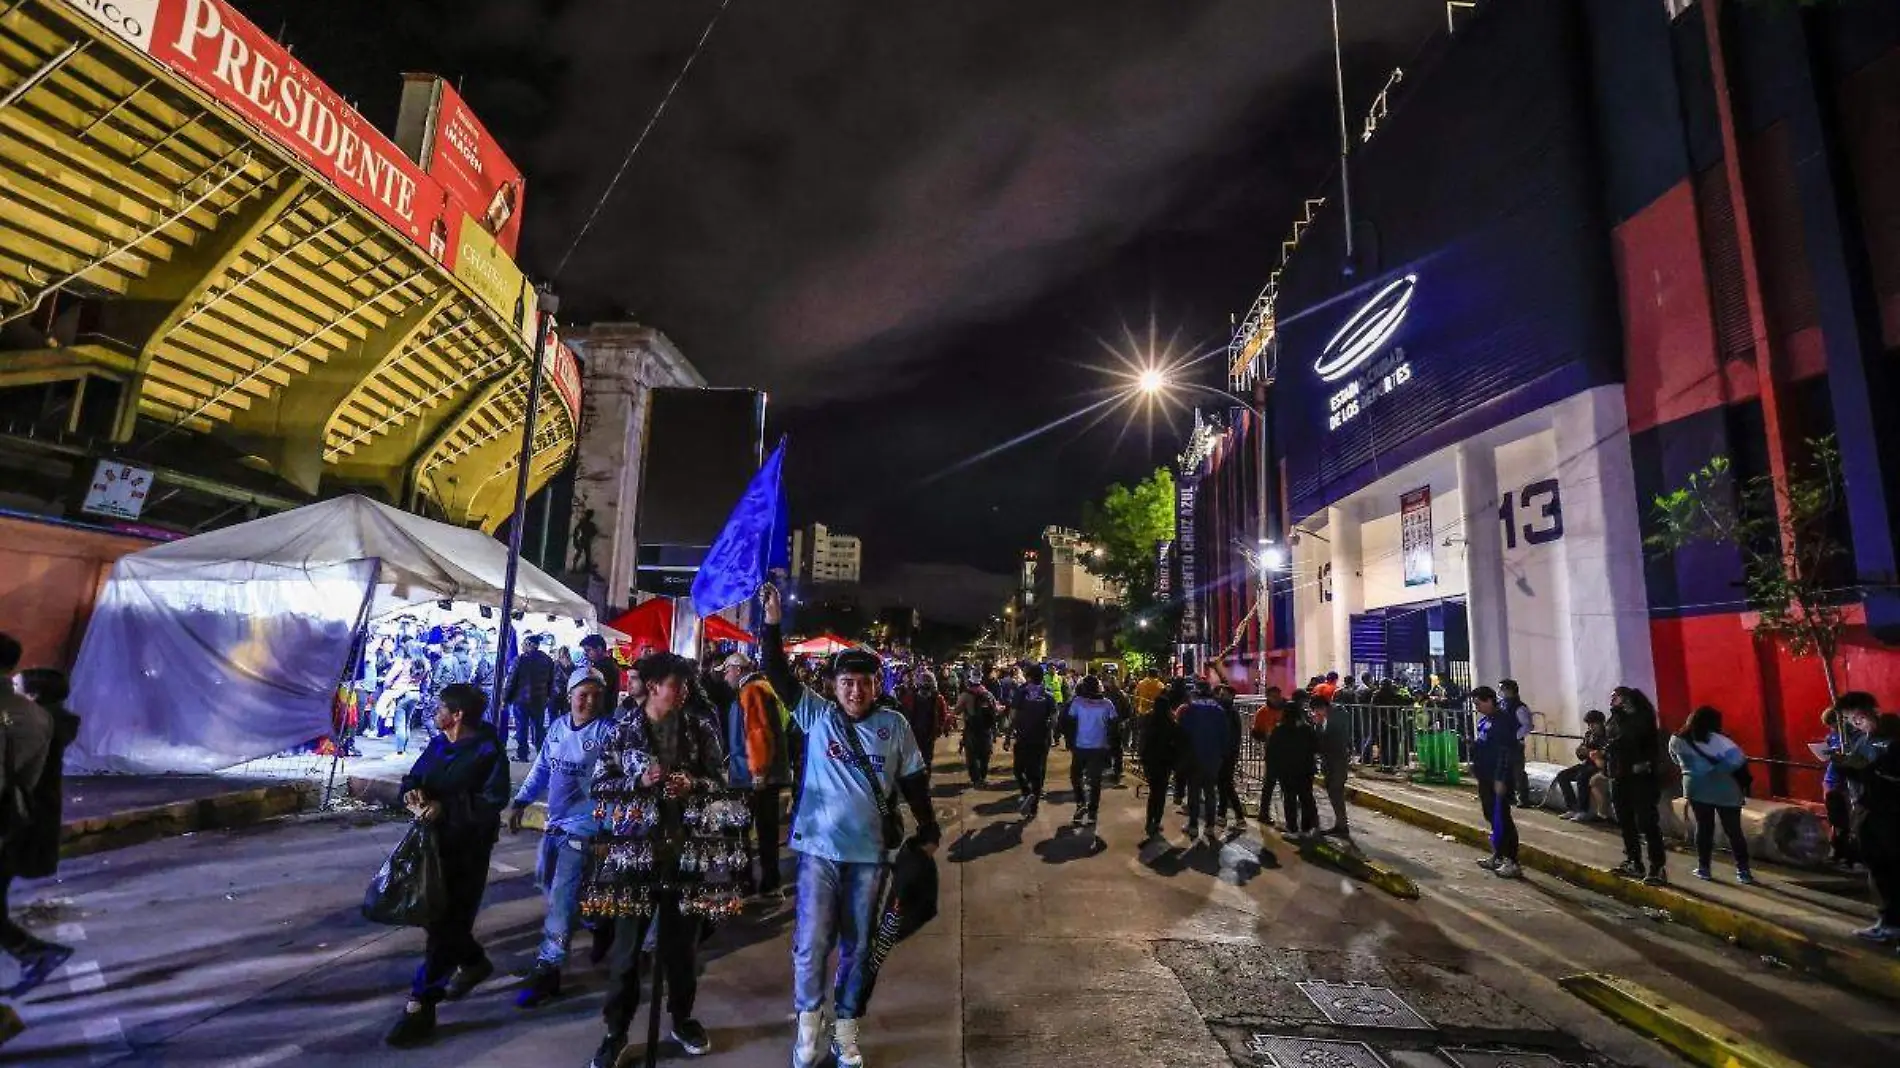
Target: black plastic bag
(407,891)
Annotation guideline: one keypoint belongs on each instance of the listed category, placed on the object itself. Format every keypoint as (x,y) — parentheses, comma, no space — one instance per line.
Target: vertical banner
(1184,553)
(1164,569)
(437,129)
(1415,536)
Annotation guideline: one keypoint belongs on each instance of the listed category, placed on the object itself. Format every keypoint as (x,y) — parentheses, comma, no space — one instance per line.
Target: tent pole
(549,304)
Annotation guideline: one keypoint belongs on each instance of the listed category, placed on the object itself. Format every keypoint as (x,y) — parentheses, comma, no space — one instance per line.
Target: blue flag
(754,538)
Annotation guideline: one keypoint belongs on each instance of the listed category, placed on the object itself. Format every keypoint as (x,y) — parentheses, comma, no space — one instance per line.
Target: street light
(1152,380)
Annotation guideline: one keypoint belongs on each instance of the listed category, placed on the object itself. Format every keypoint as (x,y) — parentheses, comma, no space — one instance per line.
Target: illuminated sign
(1366,331)
(1353,347)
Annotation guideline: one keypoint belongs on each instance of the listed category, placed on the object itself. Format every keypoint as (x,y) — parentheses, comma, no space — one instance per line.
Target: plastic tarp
(228,646)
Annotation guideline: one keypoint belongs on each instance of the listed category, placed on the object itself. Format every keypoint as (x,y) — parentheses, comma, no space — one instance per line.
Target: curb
(1879,976)
(1696,1037)
(1392,882)
(240,808)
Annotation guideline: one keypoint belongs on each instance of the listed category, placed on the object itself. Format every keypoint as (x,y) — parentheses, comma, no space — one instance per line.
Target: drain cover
(1477,1058)
(1281,1051)
(1360,1005)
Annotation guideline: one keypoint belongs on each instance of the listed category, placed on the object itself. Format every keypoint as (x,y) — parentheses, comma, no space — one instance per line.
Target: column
(1342,526)
(1485,609)
(1606,598)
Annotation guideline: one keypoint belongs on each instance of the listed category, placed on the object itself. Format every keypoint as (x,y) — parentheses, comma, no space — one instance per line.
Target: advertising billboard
(435,126)
(702,448)
(227,56)
(491,274)
(1478,292)
(564,374)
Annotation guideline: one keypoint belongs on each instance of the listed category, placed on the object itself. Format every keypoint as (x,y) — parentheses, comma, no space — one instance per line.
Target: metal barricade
(1251,773)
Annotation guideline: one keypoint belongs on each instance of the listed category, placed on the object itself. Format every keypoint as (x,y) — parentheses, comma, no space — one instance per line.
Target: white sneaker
(811,1039)
(844,1044)
(1508,870)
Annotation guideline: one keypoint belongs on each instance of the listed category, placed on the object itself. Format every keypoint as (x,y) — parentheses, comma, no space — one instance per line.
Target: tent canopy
(228,646)
(419,560)
(721,629)
(822,645)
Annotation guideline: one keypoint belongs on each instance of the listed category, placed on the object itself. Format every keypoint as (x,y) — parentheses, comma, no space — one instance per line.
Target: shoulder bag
(893,824)
(1743,778)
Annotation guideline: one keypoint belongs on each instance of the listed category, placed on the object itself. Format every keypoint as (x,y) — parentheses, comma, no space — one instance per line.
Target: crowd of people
(35,729)
(633,774)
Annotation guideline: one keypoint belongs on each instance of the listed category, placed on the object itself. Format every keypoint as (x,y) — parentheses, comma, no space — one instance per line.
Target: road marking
(268,1057)
(502,869)
(69,932)
(106,1037)
(85,978)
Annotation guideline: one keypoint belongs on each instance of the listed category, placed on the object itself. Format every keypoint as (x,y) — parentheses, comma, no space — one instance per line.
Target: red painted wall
(1771,702)
(1668,328)
(50,575)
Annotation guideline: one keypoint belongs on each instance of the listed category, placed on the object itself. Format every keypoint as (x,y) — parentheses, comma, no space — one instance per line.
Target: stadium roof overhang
(233,290)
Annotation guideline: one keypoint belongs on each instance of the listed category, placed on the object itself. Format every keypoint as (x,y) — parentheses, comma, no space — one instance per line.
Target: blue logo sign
(1366,331)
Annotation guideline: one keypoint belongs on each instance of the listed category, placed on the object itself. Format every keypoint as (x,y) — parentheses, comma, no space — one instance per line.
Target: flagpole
(548,304)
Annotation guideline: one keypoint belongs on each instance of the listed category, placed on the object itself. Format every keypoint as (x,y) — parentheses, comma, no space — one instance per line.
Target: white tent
(228,646)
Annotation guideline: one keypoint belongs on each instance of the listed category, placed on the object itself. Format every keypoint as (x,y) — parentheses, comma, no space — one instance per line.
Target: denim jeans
(531,729)
(558,870)
(837,906)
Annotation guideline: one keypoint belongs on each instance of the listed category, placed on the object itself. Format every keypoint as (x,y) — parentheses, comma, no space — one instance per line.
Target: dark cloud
(909,222)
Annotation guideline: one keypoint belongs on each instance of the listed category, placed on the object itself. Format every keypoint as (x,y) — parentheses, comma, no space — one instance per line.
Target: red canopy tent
(648,627)
(822,645)
(721,629)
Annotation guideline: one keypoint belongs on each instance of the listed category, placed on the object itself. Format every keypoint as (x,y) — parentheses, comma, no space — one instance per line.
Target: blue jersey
(564,770)
(837,816)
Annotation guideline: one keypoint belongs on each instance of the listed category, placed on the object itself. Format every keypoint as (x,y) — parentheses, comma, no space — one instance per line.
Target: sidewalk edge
(1843,966)
(1697,1038)
(136,826)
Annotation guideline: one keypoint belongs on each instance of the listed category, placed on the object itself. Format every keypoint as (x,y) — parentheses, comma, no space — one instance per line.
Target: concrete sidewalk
(1790,914)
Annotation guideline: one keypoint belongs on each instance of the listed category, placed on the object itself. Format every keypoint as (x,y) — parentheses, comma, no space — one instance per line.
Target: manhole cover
(1477,1058)
(1281,1051)
(1361,1005)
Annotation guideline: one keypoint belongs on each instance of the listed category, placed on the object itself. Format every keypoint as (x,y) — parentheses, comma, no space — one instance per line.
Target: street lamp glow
(1152,380)
(1272,558)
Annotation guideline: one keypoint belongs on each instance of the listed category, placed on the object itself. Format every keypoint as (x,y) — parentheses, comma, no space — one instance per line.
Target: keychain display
(673,836)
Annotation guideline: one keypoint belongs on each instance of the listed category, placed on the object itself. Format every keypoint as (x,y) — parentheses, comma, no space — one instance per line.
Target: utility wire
(652,121)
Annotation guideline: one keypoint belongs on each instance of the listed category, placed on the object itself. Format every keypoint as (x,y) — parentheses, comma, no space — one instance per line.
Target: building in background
(1070,612)
(1593,246)
(821,556)
(622,365)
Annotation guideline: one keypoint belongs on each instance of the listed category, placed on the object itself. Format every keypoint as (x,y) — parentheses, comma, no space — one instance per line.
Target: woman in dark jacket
(459,785)
(34,853)
(1633,751)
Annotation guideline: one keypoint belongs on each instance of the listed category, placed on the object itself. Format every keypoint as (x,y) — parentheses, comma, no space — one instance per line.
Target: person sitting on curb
(1576,782)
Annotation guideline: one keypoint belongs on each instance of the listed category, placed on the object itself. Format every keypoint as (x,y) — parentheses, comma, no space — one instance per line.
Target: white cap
(584,674)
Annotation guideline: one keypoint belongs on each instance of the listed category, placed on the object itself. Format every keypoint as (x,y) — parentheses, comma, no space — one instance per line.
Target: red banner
(225,55)
(564,373)
(437,128)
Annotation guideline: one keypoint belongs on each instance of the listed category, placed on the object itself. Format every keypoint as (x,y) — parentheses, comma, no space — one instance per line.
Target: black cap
(856,662)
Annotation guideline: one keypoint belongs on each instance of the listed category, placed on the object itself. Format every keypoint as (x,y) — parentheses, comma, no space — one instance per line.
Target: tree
(1123,529)
(1785,537)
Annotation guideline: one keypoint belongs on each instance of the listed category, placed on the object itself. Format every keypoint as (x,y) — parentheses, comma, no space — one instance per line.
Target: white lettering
(346,152)
(263,80)
(201,20)
(288,90)
(233,53)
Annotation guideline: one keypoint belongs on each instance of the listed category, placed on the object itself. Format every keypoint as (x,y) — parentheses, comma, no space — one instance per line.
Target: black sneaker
(1656,877)
(1336,831)
(543,986)
(692,1036)
(467,978)
(416,1028)
(607,1054)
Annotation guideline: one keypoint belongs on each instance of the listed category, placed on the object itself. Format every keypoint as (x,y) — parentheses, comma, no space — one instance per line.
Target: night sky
(913,224)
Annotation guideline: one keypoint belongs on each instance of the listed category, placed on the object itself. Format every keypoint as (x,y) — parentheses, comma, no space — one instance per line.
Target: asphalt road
(1055,947)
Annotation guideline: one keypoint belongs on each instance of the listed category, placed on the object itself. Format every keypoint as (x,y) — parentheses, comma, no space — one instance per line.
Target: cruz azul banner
(1184,554)
(1415,536)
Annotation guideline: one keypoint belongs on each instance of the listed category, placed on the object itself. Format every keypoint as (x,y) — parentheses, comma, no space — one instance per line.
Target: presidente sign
(1349,354)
